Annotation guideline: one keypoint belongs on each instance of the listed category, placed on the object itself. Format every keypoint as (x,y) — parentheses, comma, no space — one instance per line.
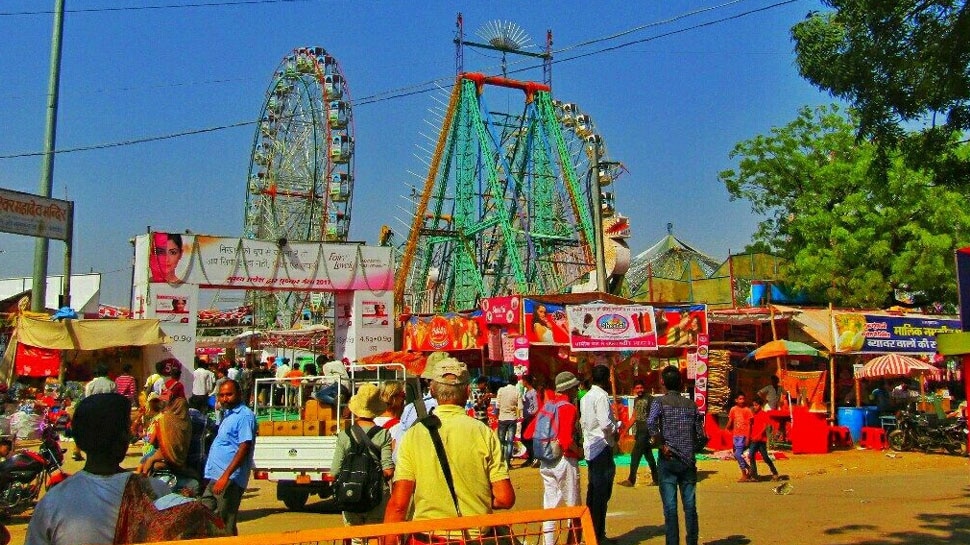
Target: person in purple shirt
(231,456)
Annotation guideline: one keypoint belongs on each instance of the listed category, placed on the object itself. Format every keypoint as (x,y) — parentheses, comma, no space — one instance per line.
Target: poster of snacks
(444,332)
(880,334)
(611,327)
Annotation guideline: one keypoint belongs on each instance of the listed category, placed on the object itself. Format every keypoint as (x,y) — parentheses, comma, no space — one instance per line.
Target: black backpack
(359,486)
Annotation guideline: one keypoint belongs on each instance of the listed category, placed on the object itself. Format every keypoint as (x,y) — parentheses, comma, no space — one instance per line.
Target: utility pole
(594,141)
(41,246)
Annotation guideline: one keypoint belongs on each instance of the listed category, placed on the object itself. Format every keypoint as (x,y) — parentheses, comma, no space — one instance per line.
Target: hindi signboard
(882,334)
(35,216)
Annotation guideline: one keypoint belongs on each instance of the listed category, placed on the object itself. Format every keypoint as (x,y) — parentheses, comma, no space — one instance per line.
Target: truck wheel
(295,500)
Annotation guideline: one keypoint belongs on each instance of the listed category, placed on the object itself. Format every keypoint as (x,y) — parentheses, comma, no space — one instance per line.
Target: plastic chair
(840,436)
(887,423)
(874,438)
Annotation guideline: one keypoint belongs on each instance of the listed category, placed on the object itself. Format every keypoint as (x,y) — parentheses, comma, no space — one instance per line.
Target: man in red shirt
(739,424)
(759,439)
(560,478)
(125,383)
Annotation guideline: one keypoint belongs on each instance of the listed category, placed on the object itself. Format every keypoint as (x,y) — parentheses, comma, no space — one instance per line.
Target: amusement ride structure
(301,172)
(509,203)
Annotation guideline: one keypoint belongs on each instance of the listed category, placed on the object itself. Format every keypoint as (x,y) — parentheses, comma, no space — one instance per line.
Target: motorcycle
(917,431)
(24,474)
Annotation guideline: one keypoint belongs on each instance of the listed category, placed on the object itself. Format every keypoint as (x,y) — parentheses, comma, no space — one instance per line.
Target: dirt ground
(847,496)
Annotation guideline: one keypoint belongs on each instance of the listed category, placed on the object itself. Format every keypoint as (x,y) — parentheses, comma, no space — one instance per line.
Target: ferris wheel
(301,170)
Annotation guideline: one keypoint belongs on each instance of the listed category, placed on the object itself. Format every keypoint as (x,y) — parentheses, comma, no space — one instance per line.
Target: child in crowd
(739,424)
(759,439)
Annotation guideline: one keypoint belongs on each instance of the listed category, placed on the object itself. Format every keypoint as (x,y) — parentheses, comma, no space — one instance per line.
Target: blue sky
(669,108)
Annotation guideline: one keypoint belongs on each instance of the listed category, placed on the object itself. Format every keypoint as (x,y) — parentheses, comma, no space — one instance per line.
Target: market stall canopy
(896,365)
(87,334)
(414,362)
(784,349)
(816,323)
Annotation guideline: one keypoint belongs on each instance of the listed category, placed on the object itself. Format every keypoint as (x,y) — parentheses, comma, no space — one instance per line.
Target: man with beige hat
(365,405)
(445,445)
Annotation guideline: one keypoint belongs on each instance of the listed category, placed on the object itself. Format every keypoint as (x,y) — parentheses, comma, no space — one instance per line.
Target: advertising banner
(611,327)
(220,262)
(545,322)
(880,334)
(963,286)
(520,356)
(32,361)
(444,332)
(680,325)
(501,310)
(371,332)
(176,308)
(700,373)
(35,216)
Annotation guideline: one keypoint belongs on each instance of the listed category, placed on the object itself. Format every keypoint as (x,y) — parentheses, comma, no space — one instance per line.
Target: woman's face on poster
(171,253)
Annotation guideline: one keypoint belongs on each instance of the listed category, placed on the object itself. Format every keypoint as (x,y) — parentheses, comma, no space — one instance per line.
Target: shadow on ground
(934,528)
(730,540)
(641,534)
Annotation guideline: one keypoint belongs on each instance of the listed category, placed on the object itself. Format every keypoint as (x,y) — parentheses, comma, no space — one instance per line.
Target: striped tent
(896,365)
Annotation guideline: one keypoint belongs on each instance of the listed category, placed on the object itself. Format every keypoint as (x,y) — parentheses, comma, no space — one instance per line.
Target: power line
(422,88)
(132,142)
(225,3)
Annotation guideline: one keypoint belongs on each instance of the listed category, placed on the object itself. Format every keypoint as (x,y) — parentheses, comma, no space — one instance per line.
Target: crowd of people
(205,478)
(438,456)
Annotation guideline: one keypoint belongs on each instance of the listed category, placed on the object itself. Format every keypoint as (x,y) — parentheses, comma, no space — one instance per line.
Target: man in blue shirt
(674,422)
(231,456)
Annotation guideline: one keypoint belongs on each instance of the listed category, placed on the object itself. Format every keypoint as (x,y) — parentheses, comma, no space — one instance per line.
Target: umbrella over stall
(784,349)
(897,365)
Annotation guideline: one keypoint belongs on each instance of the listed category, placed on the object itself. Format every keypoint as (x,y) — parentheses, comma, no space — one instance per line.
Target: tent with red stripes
(897,365)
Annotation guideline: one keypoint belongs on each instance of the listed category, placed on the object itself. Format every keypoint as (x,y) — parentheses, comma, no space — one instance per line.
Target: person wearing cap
(599,436)
(560,479)
(410,413)
(481,480)
(366,405)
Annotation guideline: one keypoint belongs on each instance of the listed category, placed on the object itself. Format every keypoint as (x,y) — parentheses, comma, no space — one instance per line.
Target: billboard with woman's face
(164,257)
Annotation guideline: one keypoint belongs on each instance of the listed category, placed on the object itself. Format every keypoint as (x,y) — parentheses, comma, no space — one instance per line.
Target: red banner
(453,332)
(501,310)
(700,373)
(37,362)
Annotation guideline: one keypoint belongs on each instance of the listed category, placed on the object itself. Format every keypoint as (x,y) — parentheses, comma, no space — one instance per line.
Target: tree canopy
(900,64)
(850,236)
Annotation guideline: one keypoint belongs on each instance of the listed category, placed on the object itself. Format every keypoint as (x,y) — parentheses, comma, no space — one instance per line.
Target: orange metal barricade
(560,526)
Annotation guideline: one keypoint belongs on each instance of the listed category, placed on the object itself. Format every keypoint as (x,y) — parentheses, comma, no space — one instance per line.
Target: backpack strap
(366,438)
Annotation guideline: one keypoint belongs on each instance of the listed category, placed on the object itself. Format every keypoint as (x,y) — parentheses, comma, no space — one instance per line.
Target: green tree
(850,236)
(900,64)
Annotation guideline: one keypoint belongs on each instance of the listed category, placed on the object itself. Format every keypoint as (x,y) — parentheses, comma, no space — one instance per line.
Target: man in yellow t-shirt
(481,479)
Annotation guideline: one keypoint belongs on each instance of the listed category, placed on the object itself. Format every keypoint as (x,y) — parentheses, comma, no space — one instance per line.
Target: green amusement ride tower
(506,204)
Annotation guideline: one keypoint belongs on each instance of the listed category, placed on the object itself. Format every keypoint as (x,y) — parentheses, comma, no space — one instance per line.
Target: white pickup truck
(297,453)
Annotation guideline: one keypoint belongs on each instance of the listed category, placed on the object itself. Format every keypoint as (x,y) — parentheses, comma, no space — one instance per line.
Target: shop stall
(67,350)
